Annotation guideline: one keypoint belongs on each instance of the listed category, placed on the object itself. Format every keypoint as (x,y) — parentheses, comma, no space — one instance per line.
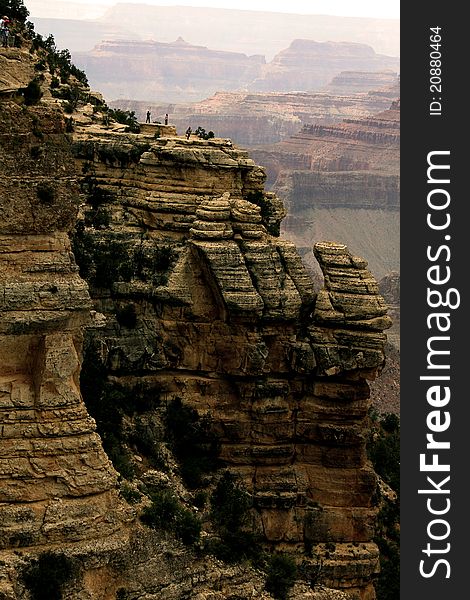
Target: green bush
(384,451)
(125,117)
(166,513)
(281,575)
(129,494)
(98,218)
(231,515)
(46,577)
(146,437)
(152,263)
(14,9)
(203,134)
(83,250)
(126,316)
(45,193)
(32,93)
(112,263)
(230,503)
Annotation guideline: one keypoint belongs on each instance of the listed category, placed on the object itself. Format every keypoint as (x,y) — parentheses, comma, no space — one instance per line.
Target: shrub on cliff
(46,576)
(281,575)
(231,516)
(166,513)
(203,134)
(384,451)
(14,9)
(32,93)
(125,117)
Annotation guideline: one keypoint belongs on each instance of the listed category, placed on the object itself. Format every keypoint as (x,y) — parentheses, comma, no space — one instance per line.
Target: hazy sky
(353,8)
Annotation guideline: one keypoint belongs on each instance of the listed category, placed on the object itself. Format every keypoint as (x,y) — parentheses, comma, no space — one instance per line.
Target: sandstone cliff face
(234,327)
(56,479)
(226,320)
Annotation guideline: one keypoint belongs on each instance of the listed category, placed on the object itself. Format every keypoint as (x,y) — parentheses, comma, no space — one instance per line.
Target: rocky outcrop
(233,326)
(180,234)
(309,65)
(253,119)
(353,82)
(56,480)
(171,71)
(341,182)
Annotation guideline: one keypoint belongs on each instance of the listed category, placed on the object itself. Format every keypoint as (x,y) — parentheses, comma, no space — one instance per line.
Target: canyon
(341,181)
(255,118)
(247,31)
(178,71)
(158,259)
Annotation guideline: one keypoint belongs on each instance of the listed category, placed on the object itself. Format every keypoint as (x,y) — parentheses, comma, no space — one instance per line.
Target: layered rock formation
(183,72)
(309,65)
(248,31)
(233,326)
(166,71)
(251,119)
(353,82)
(225,319)
(341,182)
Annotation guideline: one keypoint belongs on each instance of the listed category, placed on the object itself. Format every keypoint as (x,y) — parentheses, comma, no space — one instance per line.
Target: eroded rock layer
(56,482)
(232,325)
(251,119)
(341,182)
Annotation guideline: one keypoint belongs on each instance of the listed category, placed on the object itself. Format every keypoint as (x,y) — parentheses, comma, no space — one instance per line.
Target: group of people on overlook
(148,119)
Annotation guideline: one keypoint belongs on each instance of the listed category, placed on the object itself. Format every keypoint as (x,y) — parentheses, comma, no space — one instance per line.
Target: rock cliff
(253,119)
(172,71)
(309,65)
(191,296)
(233,326)
(341,182)
(183,72)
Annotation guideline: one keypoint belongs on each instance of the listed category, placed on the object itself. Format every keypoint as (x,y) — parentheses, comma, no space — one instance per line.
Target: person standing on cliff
(188,132)
(4,30)
(147,120)
(166,119)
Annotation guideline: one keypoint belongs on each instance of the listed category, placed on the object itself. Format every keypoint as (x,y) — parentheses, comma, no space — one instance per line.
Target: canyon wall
(341,182)
(253,119)
(181,234)
(182,72)
(233,326)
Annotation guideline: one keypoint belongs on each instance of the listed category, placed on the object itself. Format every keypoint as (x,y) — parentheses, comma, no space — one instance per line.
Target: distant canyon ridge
(245,31)
(182,72)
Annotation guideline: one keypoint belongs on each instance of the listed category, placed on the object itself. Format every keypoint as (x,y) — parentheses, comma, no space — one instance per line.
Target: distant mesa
(246,31)
(180,71)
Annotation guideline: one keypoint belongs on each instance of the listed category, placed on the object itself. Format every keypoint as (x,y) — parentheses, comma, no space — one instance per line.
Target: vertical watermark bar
(435,413)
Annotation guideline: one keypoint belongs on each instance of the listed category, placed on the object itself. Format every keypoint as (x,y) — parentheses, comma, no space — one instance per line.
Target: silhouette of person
(188,132)
(166,119)
(147,120)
